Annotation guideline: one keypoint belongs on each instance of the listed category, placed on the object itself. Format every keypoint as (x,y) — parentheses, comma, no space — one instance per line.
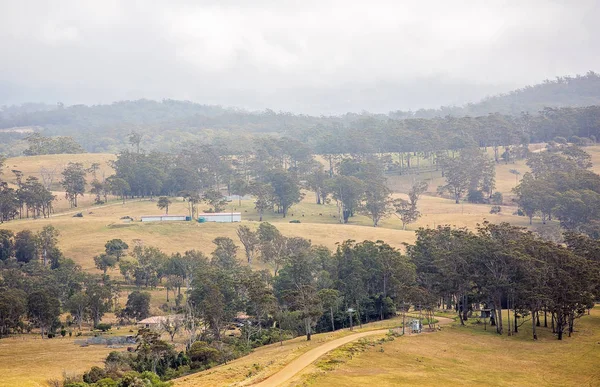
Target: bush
(76,384)
(103,327)
(63,332)
(560,140)
(51,335)
(201,353)
(497,198)
(146,379)
(94,375)
(294,221)
(107,382)
(475,197)
(137,307)
(496,210)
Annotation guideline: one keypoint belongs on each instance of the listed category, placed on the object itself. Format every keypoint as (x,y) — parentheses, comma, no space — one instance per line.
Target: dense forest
(565,107)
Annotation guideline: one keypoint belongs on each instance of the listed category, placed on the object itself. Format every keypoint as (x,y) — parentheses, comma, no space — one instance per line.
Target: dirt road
(298,364)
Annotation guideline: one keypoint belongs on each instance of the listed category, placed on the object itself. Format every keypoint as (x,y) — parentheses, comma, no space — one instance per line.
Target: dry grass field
(470,356)
(54,165)
(267,360)
(29,361)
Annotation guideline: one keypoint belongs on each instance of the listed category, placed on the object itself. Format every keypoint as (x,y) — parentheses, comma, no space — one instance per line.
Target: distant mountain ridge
(170,123)
(567,91)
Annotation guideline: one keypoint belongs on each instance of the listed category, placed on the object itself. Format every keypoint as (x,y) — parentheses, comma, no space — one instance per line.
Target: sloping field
(31,165)
(83,238)
(52,166)
(29,361)
(471,356)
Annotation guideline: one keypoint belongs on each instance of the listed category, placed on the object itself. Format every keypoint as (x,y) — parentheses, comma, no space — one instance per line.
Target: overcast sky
(322,56)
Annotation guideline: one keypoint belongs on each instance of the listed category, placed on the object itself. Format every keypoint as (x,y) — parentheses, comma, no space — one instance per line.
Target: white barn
(164,218)
(220,217)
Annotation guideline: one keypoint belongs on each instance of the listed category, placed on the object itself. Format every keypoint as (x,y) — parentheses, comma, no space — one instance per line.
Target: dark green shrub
(201,353)
(94,374)
(103,327)
(475,197)
(107,382)
(497,198)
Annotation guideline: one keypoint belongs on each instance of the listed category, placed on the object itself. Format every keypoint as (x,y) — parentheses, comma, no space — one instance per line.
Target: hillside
(577,91)
(169,123)
(83,238)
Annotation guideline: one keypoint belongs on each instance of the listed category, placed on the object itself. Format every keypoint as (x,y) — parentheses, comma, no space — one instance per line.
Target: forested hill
(578,91)
(169,123)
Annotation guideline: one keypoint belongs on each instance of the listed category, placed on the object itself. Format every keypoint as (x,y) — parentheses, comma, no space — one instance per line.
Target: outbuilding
(164,218)
(157,322)
(220,217)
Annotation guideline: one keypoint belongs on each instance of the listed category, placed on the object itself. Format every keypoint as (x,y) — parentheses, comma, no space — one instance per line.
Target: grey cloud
(312,56)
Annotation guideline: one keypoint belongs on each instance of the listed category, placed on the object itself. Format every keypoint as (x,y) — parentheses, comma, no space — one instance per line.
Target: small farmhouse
(157,322)
(164,218)
(220,217)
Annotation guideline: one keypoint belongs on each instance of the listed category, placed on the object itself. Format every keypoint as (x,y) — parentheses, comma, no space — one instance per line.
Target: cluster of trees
(533,114)
(41,145)
(275,171)
(31,197)
(504,267)
(37,283)
(306,288)
(560,185)
(472,173)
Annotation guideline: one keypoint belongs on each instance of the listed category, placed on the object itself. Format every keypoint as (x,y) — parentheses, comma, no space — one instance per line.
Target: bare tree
(172,325)
(48,175)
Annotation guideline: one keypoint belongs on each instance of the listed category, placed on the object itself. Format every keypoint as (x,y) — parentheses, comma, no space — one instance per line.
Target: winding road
(306,359)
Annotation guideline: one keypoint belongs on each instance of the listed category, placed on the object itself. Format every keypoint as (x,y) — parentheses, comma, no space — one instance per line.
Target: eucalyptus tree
(73,182)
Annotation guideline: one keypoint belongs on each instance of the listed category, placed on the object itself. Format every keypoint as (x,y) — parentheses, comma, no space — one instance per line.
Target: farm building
(157,322)
(164,218)
(220,217)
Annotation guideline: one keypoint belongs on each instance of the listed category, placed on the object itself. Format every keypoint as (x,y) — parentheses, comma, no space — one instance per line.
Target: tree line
(169,124)
(31,197)
(276,171)
(562,186)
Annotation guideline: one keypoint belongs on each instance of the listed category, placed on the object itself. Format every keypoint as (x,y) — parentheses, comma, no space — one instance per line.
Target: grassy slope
(30,166)
(267,360)
(471,356)
(29,361)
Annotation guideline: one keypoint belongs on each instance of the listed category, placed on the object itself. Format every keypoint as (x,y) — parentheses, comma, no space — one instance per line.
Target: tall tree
(73,182)
(116,247)
(296,286)
(163,204)
(47,239)
(250,241)
(286,190)
(7,244)
(348,191)
(377,203)
(43,310)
